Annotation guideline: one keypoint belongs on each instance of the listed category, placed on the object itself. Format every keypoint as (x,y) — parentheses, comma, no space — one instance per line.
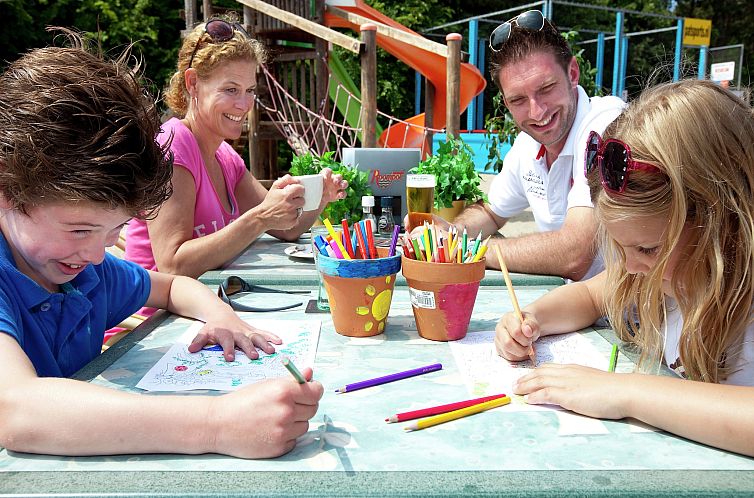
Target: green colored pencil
(288,364)
(613,358)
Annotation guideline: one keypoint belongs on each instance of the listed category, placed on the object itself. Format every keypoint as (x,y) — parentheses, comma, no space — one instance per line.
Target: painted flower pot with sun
(360,292)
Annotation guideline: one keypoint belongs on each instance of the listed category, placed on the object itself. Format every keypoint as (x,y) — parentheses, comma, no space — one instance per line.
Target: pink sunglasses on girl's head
(613,157)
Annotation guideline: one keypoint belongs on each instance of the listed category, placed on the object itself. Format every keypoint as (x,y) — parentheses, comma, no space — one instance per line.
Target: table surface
(265,262)
(350,450)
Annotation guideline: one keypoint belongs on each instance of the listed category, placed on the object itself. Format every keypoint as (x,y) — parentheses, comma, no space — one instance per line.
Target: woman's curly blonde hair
(206,57)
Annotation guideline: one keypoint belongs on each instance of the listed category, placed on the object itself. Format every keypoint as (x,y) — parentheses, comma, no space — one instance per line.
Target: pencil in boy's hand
(389,378)
(514,301)
(436,410)
(456,414)
(288,364)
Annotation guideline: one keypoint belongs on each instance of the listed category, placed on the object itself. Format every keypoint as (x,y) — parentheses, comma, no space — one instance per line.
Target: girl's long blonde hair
(701,138)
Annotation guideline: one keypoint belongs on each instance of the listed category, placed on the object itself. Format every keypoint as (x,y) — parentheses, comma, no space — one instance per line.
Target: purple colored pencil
(394,240)
(389,378)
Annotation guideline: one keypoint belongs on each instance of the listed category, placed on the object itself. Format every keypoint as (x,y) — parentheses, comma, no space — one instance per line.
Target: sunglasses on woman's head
(219,31)
(532,20)
(613,158)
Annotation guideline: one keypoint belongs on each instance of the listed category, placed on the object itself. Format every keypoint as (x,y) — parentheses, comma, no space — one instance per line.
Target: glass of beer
(420,198)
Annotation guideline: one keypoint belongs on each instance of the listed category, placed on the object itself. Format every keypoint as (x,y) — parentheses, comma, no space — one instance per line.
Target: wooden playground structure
(298,36)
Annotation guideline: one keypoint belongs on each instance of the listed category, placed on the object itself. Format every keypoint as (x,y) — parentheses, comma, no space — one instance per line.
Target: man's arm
(567,252)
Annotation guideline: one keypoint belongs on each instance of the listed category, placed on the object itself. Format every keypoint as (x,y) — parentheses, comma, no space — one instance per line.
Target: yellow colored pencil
(427,248)
(512,294)
(482,249)
(336,238)
(456,414)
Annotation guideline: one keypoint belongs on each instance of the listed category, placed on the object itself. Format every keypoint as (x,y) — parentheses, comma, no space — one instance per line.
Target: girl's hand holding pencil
(514,338)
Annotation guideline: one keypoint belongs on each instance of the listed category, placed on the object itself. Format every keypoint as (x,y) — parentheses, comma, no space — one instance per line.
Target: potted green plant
(358,185)
(457,182)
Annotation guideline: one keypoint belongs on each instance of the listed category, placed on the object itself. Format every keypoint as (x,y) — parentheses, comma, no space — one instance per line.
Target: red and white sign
(722,71)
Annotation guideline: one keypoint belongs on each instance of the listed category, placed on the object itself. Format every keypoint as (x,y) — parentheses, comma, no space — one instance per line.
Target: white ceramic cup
(313,195)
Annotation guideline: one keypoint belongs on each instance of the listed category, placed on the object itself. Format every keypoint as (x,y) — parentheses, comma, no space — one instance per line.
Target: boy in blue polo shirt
(78,159)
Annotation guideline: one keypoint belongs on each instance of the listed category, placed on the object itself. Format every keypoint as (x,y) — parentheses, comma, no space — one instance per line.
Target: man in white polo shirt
(538,77)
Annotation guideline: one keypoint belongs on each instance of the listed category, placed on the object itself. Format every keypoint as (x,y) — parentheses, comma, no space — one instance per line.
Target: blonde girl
(672,181)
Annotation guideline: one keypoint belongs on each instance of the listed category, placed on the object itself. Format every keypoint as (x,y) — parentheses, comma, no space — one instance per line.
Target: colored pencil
(613,358)
(288,364)
(336,249)
(347,238)
(436,410)
(389,378)
(363,230)
(478,254)
(370,239)
(456,414)
(427,245)
(514,301)
(360,242)
(336,238)
(464,243)
(477,242)
(394,240)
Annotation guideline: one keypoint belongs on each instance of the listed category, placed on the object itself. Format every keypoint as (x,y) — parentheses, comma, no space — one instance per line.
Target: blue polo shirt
(61,332)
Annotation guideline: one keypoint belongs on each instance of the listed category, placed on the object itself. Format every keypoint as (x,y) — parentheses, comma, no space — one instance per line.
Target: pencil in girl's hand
(435,410)
(514,301)
(456,414)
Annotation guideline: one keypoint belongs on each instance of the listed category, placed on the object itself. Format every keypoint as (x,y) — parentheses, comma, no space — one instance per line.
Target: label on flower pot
(422,299)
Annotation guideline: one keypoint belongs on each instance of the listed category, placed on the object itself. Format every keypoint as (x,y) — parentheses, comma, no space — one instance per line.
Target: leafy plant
(358,185)
(453,167)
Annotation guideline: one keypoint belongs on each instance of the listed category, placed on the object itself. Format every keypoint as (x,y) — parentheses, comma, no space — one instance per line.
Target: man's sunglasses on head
(531,19)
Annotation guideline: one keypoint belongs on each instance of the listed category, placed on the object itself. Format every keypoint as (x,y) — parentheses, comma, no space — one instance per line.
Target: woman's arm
(175,248)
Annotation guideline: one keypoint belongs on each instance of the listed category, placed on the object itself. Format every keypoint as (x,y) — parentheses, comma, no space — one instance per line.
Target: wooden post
(321,71)
(369,85)
(189,6)
(453,113)
(206,9)
(429,114)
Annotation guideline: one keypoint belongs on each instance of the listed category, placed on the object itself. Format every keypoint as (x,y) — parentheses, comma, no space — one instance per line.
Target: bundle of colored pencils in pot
(356,242)
(433,246)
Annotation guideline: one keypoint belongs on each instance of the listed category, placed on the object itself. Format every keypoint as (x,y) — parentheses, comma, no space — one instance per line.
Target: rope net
(307,131)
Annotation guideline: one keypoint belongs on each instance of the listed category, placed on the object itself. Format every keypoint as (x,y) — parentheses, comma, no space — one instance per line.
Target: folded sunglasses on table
(235,285)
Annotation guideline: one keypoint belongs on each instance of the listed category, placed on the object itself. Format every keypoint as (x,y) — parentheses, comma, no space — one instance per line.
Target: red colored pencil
(347,237)
(361,244)
(435,410)
(370,239)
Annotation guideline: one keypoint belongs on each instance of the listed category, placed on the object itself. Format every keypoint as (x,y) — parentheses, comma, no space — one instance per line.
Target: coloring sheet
(179,370)
(485,373)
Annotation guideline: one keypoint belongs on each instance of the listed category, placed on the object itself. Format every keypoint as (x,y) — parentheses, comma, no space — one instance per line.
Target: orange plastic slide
(431,65)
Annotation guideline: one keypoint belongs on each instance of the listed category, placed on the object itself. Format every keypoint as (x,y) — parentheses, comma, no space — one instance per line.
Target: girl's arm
(713,414)
(565,309)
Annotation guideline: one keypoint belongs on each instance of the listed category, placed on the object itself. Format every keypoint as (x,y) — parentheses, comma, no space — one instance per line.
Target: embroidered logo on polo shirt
(534,184)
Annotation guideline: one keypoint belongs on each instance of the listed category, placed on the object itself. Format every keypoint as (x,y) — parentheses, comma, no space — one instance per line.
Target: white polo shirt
(525,180)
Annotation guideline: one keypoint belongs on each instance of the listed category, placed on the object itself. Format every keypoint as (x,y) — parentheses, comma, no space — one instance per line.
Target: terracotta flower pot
(442,296)
(449,214)
(360,292)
